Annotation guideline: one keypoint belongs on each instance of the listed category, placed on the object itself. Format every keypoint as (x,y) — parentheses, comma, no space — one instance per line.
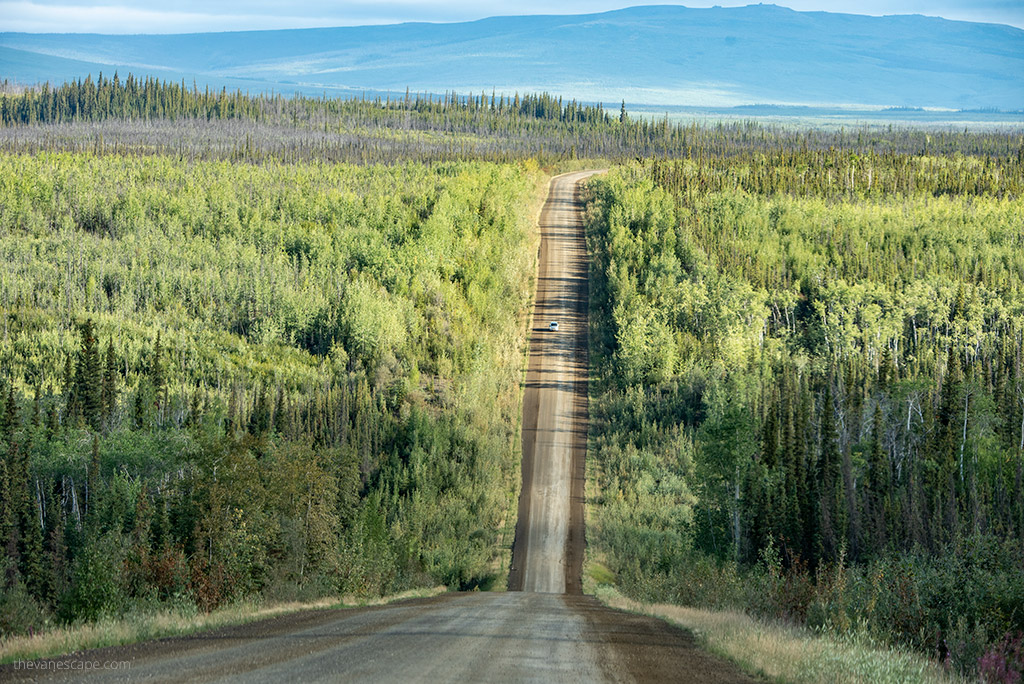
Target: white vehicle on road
(553,327)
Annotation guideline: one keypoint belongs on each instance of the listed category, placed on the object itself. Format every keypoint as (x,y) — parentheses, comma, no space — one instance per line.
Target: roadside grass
(785,653)
(165,622)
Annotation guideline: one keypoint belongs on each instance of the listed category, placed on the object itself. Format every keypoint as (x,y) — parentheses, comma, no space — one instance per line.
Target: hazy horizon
(191,16)
(657,55)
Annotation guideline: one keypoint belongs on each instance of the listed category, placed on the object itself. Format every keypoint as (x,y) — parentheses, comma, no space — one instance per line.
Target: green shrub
(20,613)
(95,588)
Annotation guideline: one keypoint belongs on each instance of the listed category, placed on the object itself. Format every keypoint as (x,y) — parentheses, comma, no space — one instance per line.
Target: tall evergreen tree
(157,376)
(37,407)
(9,416)
(942,483)
(93,479)
(8,529)
(879,479)
(34,566)
(259,419)
(830,501)
(89,378)
(109,384)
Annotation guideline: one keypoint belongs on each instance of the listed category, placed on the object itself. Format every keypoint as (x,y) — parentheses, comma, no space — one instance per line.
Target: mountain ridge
(652,54)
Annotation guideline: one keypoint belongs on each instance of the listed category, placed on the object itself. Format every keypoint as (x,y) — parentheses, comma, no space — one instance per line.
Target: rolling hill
(669,55)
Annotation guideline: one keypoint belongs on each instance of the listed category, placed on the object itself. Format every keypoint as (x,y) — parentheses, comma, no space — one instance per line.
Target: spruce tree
(8,522)
(37,408)
(830,475)
(232,420)
(33,562)
(157,377)
(6,505)
(93,478)
(878,484)
(259,419)
(27,539)
(279,417)
(192,417)
(88,378)
(161,528)
(109,384)
(941,485)
(9,416)
(139,405)
(51,419)
(886,369)
(792,491)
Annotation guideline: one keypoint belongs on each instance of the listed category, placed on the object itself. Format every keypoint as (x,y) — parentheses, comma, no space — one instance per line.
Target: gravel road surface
(548,551)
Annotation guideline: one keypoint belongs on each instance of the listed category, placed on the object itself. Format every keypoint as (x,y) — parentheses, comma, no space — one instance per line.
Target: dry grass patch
(165,622)
(784,653)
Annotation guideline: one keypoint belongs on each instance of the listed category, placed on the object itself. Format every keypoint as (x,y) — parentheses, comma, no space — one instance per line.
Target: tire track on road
(547,555)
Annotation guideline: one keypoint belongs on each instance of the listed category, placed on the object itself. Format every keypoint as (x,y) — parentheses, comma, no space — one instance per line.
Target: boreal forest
(269,346)
(810,393)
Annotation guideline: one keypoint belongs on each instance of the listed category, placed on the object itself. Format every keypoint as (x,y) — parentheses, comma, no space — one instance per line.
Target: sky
(184,16)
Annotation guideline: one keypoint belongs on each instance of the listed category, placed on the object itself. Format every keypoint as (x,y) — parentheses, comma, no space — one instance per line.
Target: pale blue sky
(138,16)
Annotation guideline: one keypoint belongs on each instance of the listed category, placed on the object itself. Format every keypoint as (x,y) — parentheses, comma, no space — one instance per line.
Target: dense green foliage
(811,389)
(223,379)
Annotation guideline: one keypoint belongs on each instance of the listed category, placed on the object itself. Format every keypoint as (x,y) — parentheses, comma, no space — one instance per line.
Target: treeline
(811,401)
(148,116)
(113,116)
(223,381)
(150,98)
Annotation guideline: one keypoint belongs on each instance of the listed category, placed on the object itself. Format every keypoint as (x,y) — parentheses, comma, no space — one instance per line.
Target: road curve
(547,633)
(548,552)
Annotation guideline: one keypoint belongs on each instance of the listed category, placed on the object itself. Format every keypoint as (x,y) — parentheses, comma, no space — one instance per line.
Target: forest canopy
(810,394)
(223,379)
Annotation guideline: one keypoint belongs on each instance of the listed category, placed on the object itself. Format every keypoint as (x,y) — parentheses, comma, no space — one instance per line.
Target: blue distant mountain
(667,55)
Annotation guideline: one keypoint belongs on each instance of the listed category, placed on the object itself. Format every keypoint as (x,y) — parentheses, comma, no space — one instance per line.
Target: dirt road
(470,637)
(548,551)
(545,633)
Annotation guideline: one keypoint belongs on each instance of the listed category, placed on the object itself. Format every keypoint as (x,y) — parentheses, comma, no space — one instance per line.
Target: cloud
(134,16)
(33,17)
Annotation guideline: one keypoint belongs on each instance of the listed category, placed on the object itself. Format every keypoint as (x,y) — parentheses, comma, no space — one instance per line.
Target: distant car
(554,326)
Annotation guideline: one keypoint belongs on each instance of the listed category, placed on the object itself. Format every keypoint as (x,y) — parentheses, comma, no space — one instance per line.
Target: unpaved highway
(470,637)
(548,551)
(546,633)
